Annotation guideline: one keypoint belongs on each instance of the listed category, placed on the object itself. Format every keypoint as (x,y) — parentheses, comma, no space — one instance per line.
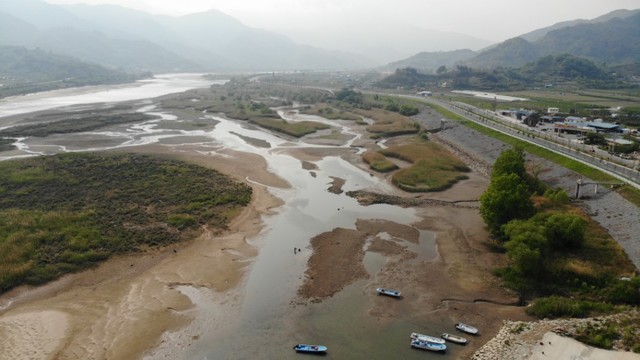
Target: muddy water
(143,89)
(262,318)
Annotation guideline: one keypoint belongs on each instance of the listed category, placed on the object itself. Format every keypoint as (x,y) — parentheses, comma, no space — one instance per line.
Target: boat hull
(425,345)
(467,328)
(427,338)
(310,349)
(454,339)
(388,292)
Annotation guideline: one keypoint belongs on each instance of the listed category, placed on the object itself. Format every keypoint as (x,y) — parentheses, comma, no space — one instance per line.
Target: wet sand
(122,308)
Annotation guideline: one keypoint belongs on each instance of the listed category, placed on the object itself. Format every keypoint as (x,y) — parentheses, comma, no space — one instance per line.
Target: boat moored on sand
(427,338)
(388,292)
(425,345)
(467,328)
(312,349)
(454,338)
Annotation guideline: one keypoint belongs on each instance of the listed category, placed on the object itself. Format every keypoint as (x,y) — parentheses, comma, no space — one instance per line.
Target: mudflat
(122,308)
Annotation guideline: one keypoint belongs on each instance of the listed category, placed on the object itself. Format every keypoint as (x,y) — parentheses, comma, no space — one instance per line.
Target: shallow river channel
(262,318)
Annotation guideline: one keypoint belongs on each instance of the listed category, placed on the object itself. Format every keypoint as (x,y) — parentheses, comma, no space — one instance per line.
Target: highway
(619,168)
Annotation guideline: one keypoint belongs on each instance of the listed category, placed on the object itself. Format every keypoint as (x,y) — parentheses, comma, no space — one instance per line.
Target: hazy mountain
(616,41)
(540,33)
(42,15)
(513,52)
(386,40)
(24,71)
(87,45)
(126,54)
(545,70)
(215,40)
(431,61)
(613,39)
(14,31)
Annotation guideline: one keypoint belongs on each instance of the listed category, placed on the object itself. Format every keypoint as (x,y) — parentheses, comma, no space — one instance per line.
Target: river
(264,323)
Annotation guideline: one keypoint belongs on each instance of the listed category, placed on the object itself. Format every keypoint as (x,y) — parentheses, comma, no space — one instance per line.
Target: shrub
(557,306)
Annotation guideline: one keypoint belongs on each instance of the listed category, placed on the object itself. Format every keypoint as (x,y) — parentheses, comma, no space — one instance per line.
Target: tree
(507,198)
(595,139)
(527,261)
(441,70)
(510,162)
(565,231)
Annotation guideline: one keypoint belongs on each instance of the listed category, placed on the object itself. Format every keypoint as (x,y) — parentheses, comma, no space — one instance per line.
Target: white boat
(425,345)
(427,338)
(383,291)
(454,338)
(467,328)
(310,349)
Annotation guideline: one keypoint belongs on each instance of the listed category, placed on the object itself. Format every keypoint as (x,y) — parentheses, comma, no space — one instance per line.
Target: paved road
(579,152)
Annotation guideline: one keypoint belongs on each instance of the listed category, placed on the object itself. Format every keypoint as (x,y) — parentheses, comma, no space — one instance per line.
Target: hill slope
(612,39)
(25,71)
(209,40)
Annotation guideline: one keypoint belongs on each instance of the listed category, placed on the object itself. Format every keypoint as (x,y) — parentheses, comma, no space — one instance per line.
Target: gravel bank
(612,211)
(522,340)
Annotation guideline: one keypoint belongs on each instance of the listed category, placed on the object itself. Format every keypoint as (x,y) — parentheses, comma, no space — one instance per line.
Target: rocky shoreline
(522,340)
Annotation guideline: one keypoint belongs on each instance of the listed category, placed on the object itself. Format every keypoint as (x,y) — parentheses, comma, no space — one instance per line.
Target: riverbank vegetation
(64,213)
(558,254)
(74,124)
(257,102)
(431,168)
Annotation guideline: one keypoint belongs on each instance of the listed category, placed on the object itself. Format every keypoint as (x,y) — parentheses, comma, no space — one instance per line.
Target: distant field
(579,100)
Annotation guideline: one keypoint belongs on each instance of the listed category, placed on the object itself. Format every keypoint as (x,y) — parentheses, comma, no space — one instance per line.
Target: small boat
(467,328)
(383,291)
(313,349)
(425,345)
(427,338)
(454,338)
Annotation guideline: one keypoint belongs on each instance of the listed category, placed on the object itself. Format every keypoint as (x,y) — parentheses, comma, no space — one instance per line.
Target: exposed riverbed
(264,315)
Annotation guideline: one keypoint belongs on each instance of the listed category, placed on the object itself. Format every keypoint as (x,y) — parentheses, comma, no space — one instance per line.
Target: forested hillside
(25,71)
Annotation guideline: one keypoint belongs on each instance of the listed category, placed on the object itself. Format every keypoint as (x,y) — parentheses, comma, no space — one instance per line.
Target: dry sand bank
(120,309)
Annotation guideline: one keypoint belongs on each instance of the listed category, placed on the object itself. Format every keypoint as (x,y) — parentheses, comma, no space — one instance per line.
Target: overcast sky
(494,20)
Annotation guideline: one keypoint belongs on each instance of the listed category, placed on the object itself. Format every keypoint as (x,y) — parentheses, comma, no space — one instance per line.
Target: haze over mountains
(611,39)
(132,40)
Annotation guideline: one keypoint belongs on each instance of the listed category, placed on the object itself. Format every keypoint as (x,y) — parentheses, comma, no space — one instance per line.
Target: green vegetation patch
(378,162)
(64,213)
(433,168)
(328,112)
(295,129)
(6,144)
(558,306)
(85,123)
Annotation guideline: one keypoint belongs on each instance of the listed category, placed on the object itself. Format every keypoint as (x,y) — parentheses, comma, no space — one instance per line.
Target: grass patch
(433,168)
(65,213)
(378,162)
(557,306)
(295,129)
(85,123)
(388,123)
(6,144)
(331,113)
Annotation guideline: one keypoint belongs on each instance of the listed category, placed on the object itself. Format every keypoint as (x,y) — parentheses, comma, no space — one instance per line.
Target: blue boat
(426,345)
(312,349)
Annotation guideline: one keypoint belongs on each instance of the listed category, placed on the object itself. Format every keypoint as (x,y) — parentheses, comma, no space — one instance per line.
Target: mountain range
(130,40)
(612,39)
(118,37)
